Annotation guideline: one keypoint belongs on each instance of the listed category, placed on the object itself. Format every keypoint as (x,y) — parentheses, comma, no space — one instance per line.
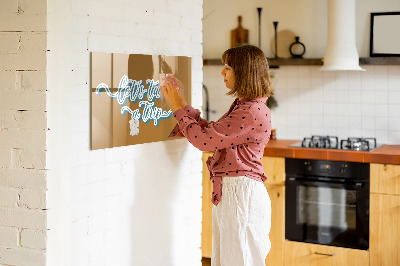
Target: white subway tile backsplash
(381,97)
(367,110)
(394,83)
(381,136)
(355,96)
(381,123)
(380,71)
(292,82)
(381,110)
(291,71)
(348,103)
(367,96)
(394,97)
(381,84)
(329,109)
(394,123)
(394,137)
(393,71)
(394,110)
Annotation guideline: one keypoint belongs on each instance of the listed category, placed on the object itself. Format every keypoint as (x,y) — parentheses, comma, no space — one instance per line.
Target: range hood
(341,51)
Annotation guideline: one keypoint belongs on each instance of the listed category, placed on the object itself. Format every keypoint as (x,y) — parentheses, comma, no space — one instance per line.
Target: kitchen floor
(206,261)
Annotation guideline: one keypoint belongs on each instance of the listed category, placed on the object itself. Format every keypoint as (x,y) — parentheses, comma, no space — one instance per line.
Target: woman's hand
(174,93)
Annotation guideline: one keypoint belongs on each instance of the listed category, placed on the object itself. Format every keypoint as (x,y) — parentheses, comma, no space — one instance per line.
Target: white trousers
(241,223)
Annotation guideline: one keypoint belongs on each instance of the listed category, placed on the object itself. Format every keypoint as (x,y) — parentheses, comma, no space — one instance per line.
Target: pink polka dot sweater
(238,139)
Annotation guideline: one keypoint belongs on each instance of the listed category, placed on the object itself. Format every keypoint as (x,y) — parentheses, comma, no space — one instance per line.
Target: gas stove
(332,142)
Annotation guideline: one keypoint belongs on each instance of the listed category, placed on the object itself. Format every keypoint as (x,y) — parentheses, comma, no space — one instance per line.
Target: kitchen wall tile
(394,110)
(381,123)
(380,84)
(355,96)
(278,71)
(329,109)
(317,121)
(367,133)
(380,71)
(367,123)
(355,122)
(329,93)
(355,132)
(394,137)
(328,74)
(342,96)
(381,110)
(367,96)
(394,83)
(365,99)
(355,109)
(367,81)
(367,110)
(292,82)
(354,80)
(342,122)
(342,80)
(291,71)
(316,82)
(342,133)
(381,97)
(394,71)
(381,136)
(315,72)
(317,107)
(394,97)
(342,109)
(303,82)
(317,131)
(304,72)
(394,123)
(329,122)
(317,95)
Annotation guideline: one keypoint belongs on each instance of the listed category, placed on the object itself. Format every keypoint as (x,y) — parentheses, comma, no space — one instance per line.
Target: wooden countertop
(389,154)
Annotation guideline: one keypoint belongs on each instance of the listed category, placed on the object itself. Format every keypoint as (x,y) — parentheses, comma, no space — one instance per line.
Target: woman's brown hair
(250,66)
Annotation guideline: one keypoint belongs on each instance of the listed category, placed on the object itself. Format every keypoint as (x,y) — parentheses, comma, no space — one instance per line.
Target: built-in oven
(327,202)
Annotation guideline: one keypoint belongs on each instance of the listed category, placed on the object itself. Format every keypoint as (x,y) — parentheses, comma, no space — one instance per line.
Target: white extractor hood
(341,51)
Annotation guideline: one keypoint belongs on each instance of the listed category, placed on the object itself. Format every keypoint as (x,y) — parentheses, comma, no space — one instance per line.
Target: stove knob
(343,168)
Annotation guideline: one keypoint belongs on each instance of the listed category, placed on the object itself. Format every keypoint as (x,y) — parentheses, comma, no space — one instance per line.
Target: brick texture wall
(23,126)
(60,202)
(134,205)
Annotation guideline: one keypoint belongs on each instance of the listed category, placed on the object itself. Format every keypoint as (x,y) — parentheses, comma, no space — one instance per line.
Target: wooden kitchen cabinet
(305,254)
(277,233)
(385,178)
(384,236)
(206,225)
(274,168)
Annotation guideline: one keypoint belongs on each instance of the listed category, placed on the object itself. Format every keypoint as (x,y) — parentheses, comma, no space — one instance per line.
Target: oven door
(327,213)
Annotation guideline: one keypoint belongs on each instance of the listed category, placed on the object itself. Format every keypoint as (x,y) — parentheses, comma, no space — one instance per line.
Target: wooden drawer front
(304,254)
(274,168)
(384,237)
(385,178)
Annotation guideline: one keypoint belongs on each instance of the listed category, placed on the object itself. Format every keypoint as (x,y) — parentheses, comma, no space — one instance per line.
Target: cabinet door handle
(324,254)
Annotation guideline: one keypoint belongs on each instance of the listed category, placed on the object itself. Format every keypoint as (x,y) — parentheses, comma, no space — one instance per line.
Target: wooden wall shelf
(274,63)
(380,61)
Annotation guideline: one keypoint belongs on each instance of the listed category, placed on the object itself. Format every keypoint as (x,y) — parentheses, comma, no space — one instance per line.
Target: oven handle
(324,254)
(357,185)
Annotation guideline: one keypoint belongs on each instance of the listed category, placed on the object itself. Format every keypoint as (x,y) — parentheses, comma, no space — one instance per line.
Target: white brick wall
(23,132)
(112,206)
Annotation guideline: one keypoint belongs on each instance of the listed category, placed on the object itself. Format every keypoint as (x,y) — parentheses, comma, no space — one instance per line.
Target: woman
(242,208)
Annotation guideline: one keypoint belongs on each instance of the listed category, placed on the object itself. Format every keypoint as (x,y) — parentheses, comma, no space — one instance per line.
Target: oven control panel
(337,169)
